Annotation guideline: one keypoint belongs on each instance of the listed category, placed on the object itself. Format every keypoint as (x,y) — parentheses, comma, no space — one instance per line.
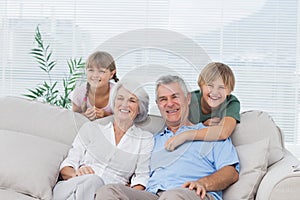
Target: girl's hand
(175,141)
(99,112)
(90,113)
(84,170)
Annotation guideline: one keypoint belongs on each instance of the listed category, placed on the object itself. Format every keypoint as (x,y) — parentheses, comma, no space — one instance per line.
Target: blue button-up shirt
(189,162)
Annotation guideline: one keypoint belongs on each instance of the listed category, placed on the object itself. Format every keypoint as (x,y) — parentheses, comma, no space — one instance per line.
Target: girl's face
(214,93)
(98,76)
(126,105)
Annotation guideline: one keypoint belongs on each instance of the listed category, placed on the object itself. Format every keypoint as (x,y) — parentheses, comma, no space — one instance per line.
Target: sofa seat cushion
(8,194)
(29,164)
(256,126)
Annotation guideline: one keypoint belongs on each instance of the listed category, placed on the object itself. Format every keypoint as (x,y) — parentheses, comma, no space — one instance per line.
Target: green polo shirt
(230,107)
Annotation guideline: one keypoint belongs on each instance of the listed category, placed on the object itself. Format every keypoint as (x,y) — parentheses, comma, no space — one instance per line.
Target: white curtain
(259,39)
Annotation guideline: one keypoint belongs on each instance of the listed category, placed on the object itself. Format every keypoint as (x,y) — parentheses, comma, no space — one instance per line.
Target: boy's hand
(212,121)
(173,142)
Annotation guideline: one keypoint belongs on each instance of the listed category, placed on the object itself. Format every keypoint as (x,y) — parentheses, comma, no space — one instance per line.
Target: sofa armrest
(281,180)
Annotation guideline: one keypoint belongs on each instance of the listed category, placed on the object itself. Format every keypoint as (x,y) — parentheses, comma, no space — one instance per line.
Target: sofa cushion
(256,126)
(29,164)
(8,194)
(253,166)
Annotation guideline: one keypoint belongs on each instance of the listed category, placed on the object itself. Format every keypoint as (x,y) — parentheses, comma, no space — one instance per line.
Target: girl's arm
(76,108)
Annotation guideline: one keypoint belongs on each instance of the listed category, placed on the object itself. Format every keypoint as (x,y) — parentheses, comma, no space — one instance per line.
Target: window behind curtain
(258,39)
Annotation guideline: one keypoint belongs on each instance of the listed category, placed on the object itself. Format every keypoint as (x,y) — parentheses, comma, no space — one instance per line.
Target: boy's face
(214,93)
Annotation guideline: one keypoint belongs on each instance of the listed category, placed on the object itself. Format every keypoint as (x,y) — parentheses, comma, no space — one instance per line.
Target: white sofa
(35,138)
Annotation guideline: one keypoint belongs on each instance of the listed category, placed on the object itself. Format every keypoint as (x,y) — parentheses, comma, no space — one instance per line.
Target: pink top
(78,97)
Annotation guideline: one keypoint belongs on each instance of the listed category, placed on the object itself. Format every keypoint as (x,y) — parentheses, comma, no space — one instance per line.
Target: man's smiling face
(172,103)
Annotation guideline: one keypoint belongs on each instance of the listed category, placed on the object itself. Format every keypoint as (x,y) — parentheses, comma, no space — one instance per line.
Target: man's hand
(84,170)
(197,186)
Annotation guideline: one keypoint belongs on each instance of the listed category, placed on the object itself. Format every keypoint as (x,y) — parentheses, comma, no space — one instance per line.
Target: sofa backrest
(254,127)
(39,119)
(153,123)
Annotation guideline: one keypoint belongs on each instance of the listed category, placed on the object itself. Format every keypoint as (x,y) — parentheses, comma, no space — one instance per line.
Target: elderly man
(195,170)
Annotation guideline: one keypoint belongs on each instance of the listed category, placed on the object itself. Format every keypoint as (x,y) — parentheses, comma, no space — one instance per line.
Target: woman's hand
(84,170)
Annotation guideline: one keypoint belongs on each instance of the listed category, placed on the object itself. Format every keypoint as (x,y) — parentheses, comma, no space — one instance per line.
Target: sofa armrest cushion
(253,166)
(30,164)
(281,180)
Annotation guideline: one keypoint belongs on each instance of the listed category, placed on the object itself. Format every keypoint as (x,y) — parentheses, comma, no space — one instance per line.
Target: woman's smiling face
(126,105)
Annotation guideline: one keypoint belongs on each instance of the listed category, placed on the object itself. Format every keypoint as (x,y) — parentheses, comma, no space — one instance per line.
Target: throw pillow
(253,166)
(29,164)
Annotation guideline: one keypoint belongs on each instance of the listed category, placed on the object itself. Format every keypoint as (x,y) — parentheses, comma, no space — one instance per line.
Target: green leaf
(51,65)
(39,57)
(35,93)
(30,96)
(37,51)
(47,91)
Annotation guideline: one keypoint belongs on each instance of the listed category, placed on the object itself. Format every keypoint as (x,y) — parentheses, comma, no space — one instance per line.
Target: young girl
(91,99)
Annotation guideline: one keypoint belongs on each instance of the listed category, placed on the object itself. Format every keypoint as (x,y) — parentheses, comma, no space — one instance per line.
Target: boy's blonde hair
(213,71)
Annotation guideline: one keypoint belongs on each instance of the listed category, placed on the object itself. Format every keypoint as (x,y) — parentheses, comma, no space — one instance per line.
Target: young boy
(213,105)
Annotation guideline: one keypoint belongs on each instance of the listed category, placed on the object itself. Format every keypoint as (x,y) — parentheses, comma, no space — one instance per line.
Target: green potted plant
(47,91)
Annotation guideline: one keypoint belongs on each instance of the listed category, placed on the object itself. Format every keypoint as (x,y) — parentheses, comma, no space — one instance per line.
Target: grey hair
(163,80)
(138,91)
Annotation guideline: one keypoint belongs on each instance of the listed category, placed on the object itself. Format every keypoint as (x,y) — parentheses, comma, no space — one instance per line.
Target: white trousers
(78,188)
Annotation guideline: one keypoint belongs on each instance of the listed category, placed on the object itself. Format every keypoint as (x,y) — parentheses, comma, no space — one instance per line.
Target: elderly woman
(118,152)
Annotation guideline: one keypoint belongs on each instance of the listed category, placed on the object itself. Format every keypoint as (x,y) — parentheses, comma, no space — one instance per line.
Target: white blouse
(95,146)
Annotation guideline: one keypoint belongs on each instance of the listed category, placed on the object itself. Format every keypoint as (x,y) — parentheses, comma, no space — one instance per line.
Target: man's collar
(167,130)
